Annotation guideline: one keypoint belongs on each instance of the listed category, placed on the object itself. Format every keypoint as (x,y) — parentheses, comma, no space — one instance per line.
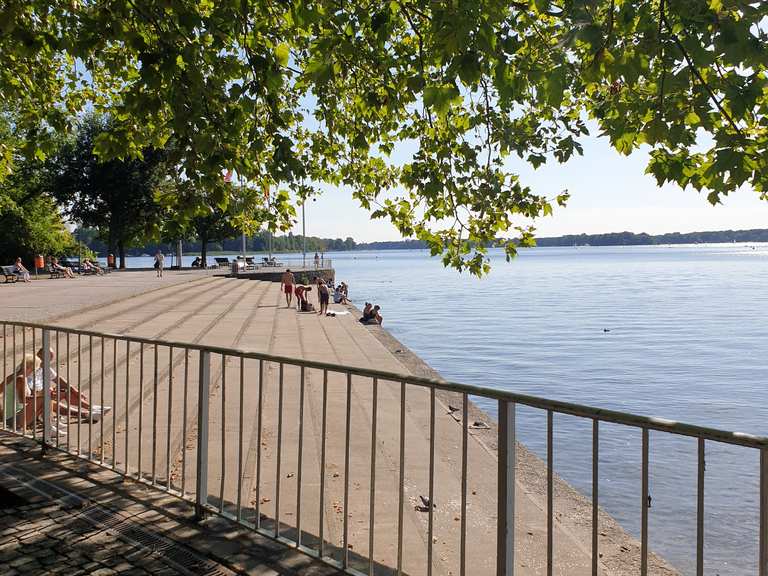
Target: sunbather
(66,270)
(26,383)
(77,402)
(371,314)
(14,392)
(20,270)
(338,295)
(90,266)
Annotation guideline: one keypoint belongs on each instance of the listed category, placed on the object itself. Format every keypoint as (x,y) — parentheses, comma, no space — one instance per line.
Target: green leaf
(554,86)
(692,118)
(282,52)
(440,97)
(469,68)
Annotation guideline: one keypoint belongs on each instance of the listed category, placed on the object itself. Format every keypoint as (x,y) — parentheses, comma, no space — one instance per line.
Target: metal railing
(326,458)
(280,264)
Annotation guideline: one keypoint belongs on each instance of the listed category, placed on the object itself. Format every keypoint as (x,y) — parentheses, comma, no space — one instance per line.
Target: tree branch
(421,53)
(662,19)
(607,40)
(701,80)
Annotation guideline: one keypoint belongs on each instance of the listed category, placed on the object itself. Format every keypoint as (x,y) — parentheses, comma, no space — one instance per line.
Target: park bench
(87,271)
(53,272)
(222,261)
(73,263)
(10,274)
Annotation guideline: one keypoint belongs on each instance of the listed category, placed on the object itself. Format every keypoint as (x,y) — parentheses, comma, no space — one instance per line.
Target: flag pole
(241,193)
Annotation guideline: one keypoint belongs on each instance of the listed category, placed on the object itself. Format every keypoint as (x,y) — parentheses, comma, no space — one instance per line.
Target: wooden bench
(71,263)
(54,273)
(10,274)
(221,261)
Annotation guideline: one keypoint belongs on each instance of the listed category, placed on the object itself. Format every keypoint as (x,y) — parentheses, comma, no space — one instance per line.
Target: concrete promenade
(245,465)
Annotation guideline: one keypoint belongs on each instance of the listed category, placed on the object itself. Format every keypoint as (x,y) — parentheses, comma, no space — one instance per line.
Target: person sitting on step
(63,391)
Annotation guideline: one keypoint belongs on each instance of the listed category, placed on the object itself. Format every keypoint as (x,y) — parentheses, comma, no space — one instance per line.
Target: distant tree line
(256,243)
(292,243)
(631,239)
(611,239)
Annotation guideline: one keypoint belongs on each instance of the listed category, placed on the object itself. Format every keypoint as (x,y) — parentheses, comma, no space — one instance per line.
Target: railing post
(46,389)
(204,382)
(763,568)
(505,539)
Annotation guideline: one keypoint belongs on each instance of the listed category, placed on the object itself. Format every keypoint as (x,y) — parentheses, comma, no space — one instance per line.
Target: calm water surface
(685,342)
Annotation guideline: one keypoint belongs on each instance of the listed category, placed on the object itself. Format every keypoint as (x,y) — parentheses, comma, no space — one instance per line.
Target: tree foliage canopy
(30,223)
(320,91)
(117,197)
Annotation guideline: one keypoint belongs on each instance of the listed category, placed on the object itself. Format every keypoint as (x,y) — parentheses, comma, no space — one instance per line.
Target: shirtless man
(286,284)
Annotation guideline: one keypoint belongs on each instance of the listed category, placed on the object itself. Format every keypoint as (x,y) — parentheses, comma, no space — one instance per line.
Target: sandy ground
(266,424)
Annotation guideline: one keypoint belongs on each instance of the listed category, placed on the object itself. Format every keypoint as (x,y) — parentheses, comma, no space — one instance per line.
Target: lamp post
(243,243)
(304,232)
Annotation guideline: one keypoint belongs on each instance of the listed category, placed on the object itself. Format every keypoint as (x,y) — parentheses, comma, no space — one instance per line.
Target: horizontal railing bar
(573,409)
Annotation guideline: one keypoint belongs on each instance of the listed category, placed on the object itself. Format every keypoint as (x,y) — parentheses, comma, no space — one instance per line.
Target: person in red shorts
(286,283)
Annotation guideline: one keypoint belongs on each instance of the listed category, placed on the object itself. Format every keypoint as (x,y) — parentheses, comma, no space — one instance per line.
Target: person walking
(317,260)
(286,285)
(159,263)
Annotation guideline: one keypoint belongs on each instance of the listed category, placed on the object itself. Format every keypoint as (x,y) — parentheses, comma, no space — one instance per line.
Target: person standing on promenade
(159,262)
(323,296)
(286,284)
(317,261)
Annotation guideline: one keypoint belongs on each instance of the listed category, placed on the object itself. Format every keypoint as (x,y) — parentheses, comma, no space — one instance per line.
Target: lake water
(686,341)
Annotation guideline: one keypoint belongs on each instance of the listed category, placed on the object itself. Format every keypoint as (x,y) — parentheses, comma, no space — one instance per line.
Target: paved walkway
(45,298)
(160,403)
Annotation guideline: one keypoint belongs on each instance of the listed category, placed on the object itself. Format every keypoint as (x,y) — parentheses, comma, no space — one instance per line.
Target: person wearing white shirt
(77,402)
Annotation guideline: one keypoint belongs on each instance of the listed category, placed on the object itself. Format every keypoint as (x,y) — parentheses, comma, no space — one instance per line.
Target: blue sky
(609,193)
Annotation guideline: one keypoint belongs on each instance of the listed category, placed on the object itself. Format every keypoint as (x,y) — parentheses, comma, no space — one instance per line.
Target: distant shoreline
(758,235)
(329,254)
(612,239)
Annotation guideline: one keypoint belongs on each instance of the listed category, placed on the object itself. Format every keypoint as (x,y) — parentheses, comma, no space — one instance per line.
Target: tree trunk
(121,251)
(204,249)
(112,245)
